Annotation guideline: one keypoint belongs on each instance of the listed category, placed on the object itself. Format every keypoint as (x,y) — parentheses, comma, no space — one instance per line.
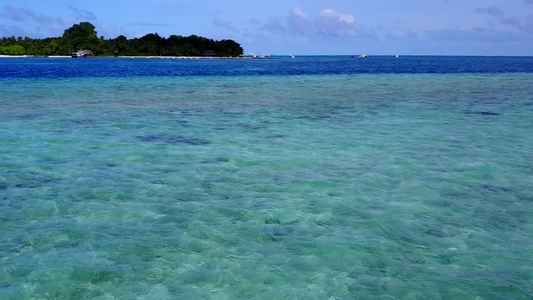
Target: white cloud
(149,24)
(30,24)
(499,15)
(21,14)
(331,13)
(328,23)
(478,34)
(16,31)
(223,24)
(81,14)
(298,12)
(109,31)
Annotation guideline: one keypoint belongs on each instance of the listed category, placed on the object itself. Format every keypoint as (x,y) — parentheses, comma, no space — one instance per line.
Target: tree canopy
(83,36)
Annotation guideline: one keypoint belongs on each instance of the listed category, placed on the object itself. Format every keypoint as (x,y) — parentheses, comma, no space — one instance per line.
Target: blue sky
(433,27)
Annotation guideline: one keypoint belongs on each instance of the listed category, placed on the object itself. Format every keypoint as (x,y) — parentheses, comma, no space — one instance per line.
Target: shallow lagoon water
(332,186)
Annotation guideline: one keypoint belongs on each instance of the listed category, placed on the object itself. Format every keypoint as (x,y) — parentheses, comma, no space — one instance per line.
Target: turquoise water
(362,186)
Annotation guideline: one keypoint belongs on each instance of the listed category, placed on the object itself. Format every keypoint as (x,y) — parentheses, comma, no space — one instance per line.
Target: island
(81,40)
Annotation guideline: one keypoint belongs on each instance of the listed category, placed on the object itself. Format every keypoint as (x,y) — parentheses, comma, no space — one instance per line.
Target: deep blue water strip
(11,68)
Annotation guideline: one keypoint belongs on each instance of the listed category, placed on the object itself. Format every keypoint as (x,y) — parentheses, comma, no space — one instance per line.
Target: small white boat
(363,55)
(259,56)
(292,56)
(396,55)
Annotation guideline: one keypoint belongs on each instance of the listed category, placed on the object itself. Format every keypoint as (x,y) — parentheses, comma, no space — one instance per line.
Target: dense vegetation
(83,36)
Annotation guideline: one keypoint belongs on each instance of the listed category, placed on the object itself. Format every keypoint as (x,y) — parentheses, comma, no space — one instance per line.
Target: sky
(312,27)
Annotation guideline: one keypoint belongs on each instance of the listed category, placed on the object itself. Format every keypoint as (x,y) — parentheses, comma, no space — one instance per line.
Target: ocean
(325,177)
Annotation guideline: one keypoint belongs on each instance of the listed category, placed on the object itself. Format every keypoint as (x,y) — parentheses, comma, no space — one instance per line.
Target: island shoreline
(126,56)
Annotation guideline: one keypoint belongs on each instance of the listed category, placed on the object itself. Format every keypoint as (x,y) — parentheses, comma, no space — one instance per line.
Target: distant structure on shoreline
(81,53)
(209,53)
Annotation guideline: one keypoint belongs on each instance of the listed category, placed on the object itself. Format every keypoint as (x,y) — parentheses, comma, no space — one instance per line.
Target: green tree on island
(119,45)
(81,36)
